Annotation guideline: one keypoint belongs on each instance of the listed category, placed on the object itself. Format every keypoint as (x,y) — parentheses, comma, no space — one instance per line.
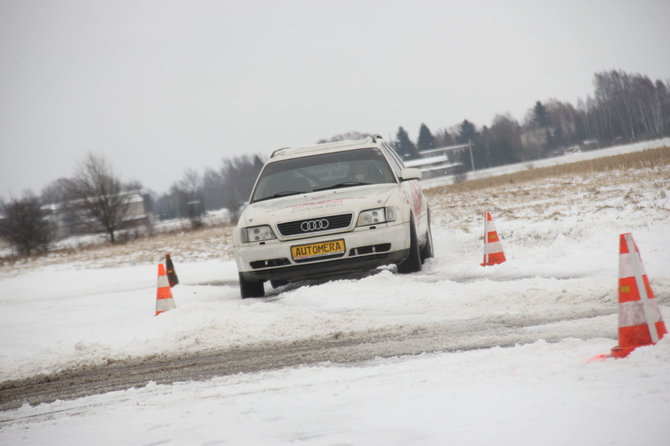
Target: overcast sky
(163,85)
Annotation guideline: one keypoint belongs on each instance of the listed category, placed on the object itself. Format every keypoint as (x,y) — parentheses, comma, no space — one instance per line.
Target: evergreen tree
(426,139)
(540,115)
(403,145)
(482,155)
(466,132)
(443,138)
(502,152)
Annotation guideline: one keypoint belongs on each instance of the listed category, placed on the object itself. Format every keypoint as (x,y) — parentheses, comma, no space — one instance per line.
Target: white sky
(163,85)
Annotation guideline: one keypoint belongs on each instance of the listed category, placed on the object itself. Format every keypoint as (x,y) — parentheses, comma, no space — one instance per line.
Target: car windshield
(322,172)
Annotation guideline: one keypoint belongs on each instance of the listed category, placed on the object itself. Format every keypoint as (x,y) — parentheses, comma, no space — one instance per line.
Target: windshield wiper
(345,184)
(285,193)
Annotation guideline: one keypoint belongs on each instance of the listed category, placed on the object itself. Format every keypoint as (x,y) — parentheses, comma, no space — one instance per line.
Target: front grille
(318,224)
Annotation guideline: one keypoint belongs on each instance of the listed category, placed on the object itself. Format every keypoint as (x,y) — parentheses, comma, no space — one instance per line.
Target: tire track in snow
(341,348)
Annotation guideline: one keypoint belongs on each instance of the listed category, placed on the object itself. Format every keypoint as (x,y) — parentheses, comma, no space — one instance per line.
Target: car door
(412,191)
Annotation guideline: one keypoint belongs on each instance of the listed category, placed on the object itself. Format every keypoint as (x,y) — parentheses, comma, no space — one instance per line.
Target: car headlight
(374,216)
(257,234)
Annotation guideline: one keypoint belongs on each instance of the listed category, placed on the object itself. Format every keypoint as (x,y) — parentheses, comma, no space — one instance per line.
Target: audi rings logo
(314,225)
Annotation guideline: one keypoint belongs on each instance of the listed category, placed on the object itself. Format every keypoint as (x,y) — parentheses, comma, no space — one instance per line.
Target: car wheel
(412,263)
(427,251)
(251,288)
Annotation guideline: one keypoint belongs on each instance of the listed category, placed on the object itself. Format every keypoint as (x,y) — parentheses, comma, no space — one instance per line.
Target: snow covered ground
(558,288)
(532,394)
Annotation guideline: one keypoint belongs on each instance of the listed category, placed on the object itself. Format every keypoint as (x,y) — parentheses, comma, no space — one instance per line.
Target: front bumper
(366,248)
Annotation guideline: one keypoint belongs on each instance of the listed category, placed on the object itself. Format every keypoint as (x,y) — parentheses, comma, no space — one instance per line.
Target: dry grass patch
(652,158)
(184,245)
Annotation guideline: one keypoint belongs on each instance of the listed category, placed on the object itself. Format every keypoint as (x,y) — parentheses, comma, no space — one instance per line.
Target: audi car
(331,209)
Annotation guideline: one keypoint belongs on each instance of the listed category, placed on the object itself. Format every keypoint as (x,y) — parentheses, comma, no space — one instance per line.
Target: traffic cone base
(639,335)
(493,250)
(164,300)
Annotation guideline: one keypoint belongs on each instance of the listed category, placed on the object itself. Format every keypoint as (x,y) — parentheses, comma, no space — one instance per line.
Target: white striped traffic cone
(640,319)
(164,300)
(493,251)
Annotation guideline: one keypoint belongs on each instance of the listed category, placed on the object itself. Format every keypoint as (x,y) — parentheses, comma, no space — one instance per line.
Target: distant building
(437,162)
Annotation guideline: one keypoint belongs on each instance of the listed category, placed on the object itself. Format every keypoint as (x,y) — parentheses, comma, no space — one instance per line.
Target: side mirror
(410,174)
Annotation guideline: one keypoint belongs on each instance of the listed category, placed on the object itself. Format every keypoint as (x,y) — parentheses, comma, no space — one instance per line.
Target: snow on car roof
(323,148)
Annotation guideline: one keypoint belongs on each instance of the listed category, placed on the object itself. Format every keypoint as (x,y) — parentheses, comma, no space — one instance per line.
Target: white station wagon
(331,209)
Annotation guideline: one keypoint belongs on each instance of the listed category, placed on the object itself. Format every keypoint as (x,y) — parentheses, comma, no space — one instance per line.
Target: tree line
(227,187)
(624,108)
(95,200)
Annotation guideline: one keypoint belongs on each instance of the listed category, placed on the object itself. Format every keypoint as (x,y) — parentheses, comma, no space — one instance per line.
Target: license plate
(316,250)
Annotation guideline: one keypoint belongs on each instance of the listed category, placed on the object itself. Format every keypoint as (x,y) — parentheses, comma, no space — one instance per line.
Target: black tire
(427,252)
(277,283)
(251,288)
(412,263)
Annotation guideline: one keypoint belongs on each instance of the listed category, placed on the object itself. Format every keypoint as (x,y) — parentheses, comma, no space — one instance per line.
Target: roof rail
(375,138)
(278,151)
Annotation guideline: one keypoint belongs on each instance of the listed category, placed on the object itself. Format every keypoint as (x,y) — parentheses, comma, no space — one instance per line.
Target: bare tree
(26,226)
(56,192)
(98,196)
(503,141)
(189,189)
(239,175)
(628,106)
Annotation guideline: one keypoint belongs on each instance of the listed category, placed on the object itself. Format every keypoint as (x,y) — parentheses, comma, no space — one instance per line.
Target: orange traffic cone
(493,251)
(640,320)
(171,273)
(164,301)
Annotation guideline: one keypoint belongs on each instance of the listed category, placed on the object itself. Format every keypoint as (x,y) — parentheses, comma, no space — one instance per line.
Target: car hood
(313,204)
